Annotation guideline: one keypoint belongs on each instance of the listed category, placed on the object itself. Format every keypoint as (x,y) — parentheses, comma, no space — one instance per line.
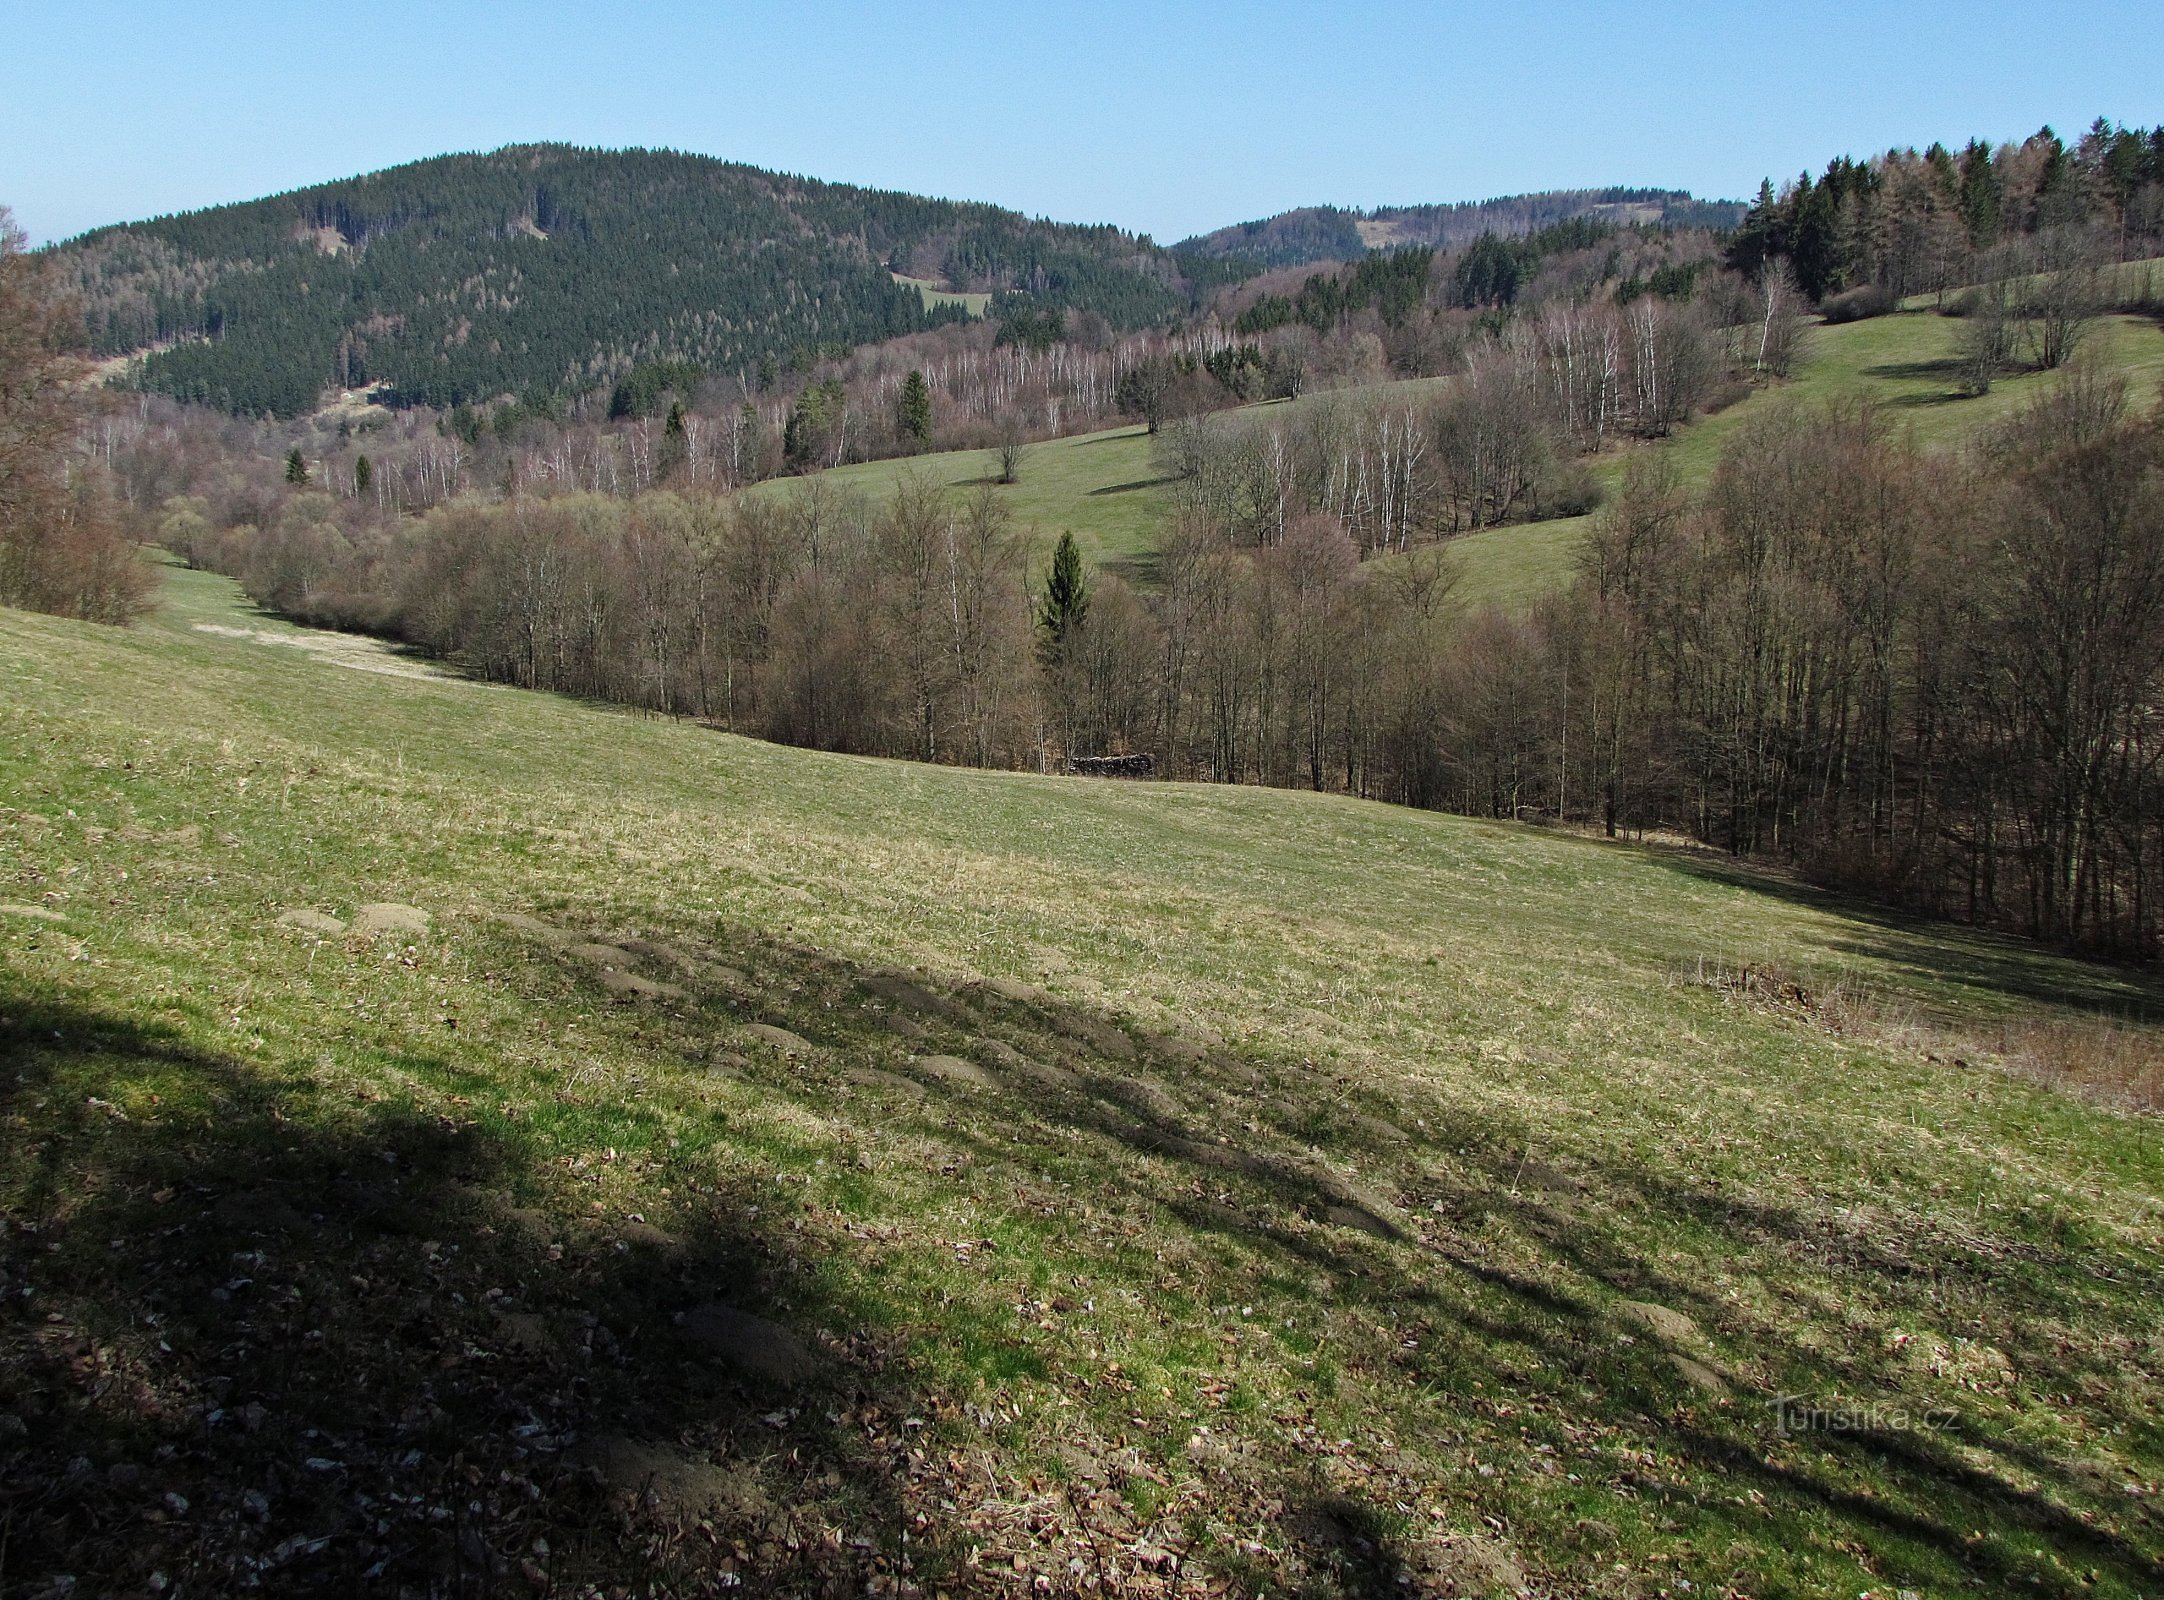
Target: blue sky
(1169,118)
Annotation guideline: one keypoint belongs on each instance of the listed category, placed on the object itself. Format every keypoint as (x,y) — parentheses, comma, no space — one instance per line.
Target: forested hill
(1329,233)
(545,268)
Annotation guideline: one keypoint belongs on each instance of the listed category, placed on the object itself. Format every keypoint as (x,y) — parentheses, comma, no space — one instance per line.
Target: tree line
(63,546)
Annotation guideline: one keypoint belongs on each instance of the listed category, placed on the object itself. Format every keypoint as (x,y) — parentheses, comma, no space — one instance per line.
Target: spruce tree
(913,411)
(1066,598)
(296,467)
(364,474)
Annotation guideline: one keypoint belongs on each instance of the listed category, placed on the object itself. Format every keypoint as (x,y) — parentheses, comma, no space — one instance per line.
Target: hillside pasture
(452,1130)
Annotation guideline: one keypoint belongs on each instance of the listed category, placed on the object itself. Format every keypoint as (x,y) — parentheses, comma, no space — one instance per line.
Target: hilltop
(1311,234)
(546,268)
(456,1129)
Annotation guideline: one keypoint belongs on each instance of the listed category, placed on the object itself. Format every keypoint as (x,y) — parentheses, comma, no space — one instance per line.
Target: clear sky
(1165,117)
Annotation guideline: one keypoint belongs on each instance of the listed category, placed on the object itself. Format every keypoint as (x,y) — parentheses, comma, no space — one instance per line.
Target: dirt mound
(390,917)
(905,993)
(1008,1059)
(37,913)
(669,1479)
(630,986)
(789,1044)
(875,1078)
(1670,1327)
(533,928)
(1360,1217)
(751,1343)
(666,955)
(954,1070)
(1101,1037)
(310,921)
(1015,991)
(1377,1129)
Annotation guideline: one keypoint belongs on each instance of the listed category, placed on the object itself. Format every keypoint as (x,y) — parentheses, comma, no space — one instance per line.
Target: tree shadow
(1130,488)
(1982,961)
(260,1337)
(355,1338)
(1945,367)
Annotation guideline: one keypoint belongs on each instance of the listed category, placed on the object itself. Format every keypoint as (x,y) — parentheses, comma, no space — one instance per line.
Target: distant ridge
(1332,233)
(549,269)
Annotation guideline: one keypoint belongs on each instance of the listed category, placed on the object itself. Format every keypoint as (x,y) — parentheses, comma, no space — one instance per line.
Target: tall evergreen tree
(913,410)
(296,466)
(1066,598)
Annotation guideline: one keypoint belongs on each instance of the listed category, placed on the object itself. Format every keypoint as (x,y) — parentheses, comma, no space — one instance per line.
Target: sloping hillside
(1105,488)
(459,1138)
(544,268)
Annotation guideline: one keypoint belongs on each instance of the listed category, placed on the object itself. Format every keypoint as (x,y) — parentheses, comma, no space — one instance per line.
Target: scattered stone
(311,921)
(36,913)
(789,1044)
(388,916)
(1670,1327)
(762,1348)
(875,1078)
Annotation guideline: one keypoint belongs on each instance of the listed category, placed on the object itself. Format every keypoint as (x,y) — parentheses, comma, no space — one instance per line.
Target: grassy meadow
(464,1141)
(1105,488)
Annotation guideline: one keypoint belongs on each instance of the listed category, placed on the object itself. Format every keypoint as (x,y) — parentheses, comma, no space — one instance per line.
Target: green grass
(1102,487)
(1276,1191)
(1901,363)
(934,295)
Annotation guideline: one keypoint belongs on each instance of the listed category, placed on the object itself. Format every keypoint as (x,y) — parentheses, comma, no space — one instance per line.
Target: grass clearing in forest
(829,1170)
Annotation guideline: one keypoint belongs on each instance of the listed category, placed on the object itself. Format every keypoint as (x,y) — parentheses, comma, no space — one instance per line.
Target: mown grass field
(814,1175)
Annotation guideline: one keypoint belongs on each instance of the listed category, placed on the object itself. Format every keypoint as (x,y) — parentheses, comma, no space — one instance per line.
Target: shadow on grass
(1944,369)
(256,1337)
(260,1332)
(1130,488)
(1981,961)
